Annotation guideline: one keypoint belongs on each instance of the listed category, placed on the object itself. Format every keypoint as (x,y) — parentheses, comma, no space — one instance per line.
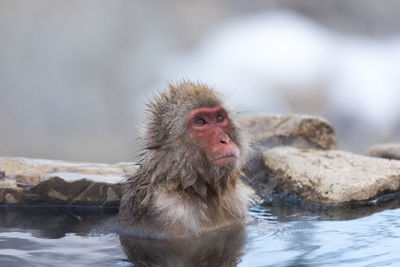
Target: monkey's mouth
(225,159)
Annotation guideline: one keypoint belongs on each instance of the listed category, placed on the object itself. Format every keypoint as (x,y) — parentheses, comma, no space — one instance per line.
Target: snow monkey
(188,181)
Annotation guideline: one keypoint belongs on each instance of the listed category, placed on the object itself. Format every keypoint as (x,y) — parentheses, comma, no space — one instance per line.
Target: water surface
(278,236)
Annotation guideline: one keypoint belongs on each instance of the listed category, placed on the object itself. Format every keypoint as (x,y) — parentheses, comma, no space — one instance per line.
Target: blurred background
(74,75)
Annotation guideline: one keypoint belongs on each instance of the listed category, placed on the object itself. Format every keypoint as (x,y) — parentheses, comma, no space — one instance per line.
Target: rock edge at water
(329,177)
(26,181)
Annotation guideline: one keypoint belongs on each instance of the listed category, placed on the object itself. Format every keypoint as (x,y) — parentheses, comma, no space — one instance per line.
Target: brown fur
(176,191)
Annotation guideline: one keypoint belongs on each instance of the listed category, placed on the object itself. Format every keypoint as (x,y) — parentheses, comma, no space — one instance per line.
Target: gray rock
(387,151)
(302,131)
(52,182)
(329,177)
(268,131)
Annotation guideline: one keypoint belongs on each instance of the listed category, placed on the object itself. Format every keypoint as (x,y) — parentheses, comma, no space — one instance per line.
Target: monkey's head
(192,134)
(211,127)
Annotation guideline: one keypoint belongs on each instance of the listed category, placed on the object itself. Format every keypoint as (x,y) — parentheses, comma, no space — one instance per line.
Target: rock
(53,182)
(387,151)
(328,177)
(268,131)
(301,131)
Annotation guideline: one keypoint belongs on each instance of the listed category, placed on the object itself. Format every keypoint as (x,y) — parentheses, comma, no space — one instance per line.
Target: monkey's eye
(219,118)
(200,121)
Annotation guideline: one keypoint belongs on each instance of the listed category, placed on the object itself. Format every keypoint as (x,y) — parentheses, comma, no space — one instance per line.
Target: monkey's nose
(224,140)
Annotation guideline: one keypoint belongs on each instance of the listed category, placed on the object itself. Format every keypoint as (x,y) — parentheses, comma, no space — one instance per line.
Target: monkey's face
(211,127)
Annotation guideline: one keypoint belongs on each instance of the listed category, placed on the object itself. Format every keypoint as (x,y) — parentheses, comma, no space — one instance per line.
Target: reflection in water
(217,248)
(285,236)
(304,241)
(295,211)
(54,222)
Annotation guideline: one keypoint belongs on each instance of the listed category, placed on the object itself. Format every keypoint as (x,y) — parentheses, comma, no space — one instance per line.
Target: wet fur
(177,191)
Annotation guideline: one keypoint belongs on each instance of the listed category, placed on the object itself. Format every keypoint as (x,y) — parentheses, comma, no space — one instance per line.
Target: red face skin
(211,127)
